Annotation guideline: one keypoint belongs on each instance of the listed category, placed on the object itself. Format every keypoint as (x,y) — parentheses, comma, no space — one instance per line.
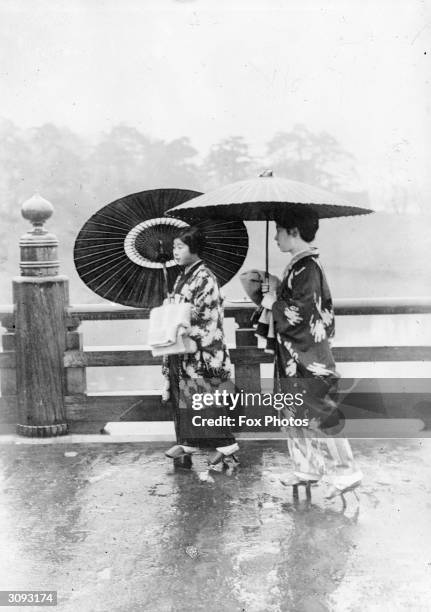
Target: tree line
(81,174)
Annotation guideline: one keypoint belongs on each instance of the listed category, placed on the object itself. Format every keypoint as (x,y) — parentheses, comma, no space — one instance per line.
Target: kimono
(304,326)
(304,320)
(205,370)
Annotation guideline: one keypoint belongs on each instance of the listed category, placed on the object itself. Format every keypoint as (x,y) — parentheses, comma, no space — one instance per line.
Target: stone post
(40,297)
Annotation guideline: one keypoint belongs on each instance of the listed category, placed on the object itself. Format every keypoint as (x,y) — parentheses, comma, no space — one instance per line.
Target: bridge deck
(114,527)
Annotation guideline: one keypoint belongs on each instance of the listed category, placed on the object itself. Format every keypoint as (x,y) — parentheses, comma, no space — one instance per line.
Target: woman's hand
(269,284)
(274,283)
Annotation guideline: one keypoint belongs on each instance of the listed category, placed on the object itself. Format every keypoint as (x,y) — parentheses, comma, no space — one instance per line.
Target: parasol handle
(166,285)
(163,258)
(265,284)
(266,174)
(266,251)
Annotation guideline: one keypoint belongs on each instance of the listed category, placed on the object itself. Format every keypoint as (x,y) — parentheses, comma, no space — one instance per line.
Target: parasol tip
(266,173)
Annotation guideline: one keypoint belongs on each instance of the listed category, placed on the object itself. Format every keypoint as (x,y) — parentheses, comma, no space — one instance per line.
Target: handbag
(183,345)
(168,329)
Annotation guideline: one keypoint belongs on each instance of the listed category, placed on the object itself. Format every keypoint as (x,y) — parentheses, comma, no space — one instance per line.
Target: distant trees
(14,166)
(312,158)
(126,161)
(73,171)
(47,159)
(229,160)
(79,175)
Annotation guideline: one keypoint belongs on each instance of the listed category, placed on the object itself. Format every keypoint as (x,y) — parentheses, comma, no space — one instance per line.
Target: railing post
(40,297)
(247,375)
(8,375)
(76,377)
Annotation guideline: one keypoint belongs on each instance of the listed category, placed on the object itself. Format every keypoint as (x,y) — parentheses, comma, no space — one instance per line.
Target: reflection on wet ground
(114,527)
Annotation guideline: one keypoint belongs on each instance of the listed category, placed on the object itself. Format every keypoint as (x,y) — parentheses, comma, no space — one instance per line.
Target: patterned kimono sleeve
(294,310)
(165,366)
(166,377)
(204,313)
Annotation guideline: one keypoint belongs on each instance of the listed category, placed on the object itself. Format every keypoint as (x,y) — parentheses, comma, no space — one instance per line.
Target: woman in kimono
(206,369)
(303,319)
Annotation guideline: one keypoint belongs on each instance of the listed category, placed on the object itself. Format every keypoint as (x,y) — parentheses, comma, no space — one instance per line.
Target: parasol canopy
(265,198)
(124,251)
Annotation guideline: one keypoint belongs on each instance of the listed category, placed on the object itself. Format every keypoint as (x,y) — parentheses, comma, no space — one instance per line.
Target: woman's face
(284,240)
(182,254)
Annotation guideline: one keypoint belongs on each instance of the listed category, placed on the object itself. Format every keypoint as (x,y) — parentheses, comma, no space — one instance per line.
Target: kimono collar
(189,270)
(310,252)
(192,267)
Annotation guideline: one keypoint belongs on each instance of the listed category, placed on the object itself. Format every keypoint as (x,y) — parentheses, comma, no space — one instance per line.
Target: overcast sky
(208,69)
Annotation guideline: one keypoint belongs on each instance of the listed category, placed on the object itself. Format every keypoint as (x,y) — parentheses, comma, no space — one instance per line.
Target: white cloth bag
(168,330)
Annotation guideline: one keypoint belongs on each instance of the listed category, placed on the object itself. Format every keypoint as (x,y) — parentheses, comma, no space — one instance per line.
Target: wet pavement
(114,528)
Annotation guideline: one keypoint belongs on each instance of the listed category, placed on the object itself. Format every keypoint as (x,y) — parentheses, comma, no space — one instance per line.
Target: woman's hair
(307,223)
(194,238)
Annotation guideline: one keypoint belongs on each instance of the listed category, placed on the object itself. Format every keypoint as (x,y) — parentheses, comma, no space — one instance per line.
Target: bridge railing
(43,364)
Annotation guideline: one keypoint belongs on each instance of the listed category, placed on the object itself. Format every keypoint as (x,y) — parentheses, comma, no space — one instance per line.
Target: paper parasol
(265,198)
(123,249)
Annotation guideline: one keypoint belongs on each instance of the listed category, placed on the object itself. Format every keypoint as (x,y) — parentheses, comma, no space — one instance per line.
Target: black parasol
(124,251)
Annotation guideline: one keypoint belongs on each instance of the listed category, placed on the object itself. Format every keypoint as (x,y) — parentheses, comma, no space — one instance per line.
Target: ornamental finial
(38,247)
(37,210)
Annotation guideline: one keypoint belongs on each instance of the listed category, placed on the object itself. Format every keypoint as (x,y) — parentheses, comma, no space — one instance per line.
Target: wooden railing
(89,412)
(43,364)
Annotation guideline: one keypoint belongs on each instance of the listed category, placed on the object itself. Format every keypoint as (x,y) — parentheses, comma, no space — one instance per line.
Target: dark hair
(307,223)
(194,238)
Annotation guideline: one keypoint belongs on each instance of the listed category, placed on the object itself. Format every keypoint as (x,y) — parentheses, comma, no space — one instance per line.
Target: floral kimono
(207,368)
(304,320)
(304,326)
